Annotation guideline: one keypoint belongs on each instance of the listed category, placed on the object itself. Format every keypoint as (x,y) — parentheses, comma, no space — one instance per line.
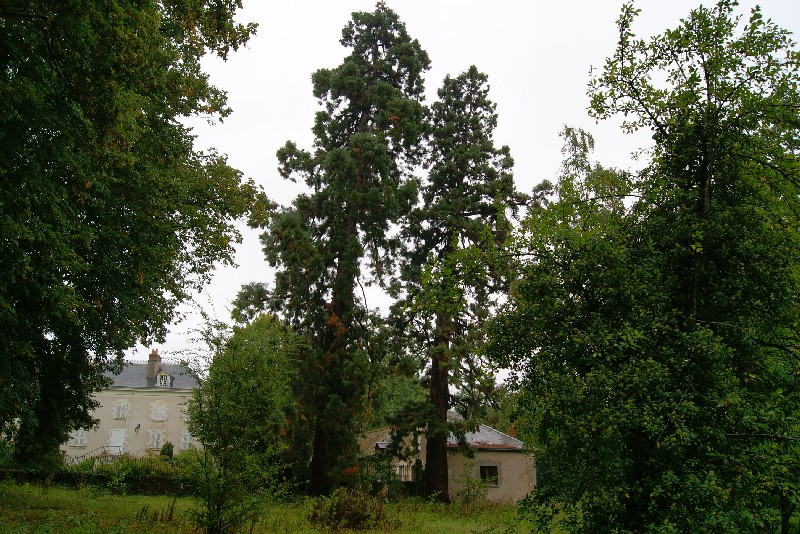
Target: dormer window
(163,380)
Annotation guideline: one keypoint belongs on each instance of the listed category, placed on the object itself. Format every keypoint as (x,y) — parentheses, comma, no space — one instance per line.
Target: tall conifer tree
(452,268)
(338,235)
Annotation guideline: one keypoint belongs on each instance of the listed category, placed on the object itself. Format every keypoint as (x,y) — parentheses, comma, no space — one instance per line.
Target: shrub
(167,450)
(474,490)
(349,508)
(377,474)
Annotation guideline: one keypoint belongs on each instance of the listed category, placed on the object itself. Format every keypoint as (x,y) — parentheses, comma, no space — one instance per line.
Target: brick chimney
(153,367)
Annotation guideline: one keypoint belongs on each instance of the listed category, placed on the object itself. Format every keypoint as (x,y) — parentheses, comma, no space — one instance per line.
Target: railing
(101,453)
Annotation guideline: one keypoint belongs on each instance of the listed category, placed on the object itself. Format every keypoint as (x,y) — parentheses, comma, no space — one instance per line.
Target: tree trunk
(786,514)
(436,471)
(321,462)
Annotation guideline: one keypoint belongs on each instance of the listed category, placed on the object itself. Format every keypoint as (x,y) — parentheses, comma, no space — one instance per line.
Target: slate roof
(485,437)
(133,375)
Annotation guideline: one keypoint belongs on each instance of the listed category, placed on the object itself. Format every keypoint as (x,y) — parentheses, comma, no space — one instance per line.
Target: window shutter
(187,441)
(158,412)
(156,439)
(121,410)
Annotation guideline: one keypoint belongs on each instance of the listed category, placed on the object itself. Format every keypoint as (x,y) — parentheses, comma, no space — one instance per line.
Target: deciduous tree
(109,215)
(660,340)
(239,414)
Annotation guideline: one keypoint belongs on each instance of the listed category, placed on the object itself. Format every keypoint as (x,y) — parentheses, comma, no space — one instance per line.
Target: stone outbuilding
(502,461)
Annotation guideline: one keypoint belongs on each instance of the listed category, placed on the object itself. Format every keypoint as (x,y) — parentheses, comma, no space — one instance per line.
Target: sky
(538,56)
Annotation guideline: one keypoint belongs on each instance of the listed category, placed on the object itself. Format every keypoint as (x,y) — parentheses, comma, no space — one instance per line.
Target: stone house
(500,460)
(143,408)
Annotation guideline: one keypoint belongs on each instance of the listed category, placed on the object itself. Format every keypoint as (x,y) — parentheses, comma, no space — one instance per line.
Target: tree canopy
(453,268)
(367,140)
(240,414)
(658,336)
(109,215)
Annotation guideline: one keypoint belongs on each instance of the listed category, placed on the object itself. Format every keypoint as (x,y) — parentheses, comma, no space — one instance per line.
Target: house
(500,460)
(143,408)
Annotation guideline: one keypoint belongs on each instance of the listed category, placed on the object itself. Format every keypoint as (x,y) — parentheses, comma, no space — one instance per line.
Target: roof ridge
(503,433)
(167,361)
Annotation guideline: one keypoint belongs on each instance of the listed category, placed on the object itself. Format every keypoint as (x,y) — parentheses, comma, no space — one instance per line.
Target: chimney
(153,366)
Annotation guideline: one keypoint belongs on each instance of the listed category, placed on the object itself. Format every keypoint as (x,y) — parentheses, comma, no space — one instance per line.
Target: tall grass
(27,509)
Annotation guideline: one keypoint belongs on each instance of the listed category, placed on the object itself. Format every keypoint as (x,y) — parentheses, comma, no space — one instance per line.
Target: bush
(349,508)
(167,450)
(474,490)
(377,474)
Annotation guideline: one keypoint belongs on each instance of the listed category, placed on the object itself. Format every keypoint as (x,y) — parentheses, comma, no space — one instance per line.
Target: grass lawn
(27,509)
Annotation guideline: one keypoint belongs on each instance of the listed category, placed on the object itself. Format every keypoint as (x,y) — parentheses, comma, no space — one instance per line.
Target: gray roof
(134,375)
(486,437)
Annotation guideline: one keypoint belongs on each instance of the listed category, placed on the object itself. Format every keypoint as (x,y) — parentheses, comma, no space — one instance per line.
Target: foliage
(238,414)
(473,489)
(338,236)
(167,450)
(453,268)
(349,508)
(657,339)
(109,215)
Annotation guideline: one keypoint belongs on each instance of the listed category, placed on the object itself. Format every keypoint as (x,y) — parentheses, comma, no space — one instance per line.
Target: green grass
(28,509)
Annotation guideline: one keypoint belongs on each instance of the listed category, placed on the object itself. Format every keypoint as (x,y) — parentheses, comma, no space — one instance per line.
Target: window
(120,410)
(163,381)
(158,411)
(156,439)
(401,471)
(489,475)
(187,441)
(78,438)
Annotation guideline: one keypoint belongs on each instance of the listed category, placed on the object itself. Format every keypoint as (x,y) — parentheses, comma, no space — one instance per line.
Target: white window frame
(155,439)
(163,380)
(158,411)
(401,471)
(121,410)
(79,438)
(187,441)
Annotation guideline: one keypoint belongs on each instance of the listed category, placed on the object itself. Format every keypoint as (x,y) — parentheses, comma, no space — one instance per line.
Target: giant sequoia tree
(338,235)
(108,215)
(453,269)
(659,341)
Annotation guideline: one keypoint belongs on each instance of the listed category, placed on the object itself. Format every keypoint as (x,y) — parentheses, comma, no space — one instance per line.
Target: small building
(143,408)
(503,462)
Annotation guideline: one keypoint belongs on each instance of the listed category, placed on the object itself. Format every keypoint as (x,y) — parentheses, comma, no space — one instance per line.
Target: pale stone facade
(143,408)
(511,474)
(500,460)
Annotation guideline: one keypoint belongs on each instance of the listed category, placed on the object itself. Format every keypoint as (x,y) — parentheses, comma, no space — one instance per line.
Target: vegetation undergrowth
(26,508)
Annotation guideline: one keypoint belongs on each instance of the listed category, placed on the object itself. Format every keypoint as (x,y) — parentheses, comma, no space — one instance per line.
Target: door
(116,441)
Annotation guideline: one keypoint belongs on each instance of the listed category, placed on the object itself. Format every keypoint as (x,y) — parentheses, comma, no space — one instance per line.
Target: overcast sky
(538,56)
